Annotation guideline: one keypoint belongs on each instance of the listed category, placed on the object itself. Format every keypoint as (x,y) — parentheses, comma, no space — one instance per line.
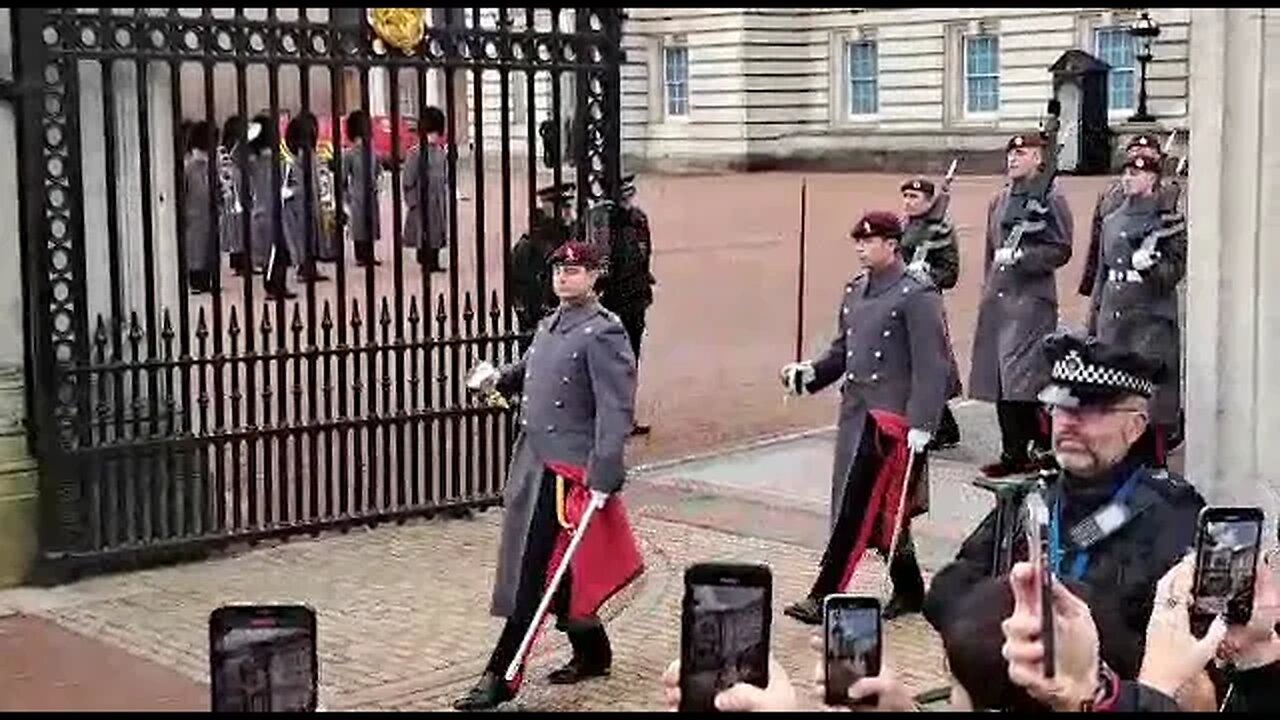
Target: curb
(763,442)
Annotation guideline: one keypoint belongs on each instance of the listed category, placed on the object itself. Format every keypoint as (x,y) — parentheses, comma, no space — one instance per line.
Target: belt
(1132,276)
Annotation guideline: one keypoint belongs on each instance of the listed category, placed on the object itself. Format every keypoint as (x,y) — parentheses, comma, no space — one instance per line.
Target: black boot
(487,694)
(807,611)
(908,583)
(592,657)
(948,434)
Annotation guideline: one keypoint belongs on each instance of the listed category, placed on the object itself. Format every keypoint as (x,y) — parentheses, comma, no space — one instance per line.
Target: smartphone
(262,658)
(724,631)
(1038,553)
(853,637)
(1227,542)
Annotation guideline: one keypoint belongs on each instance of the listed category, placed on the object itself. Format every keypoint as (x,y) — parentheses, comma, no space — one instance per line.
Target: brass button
(1000,294)
(559,403)
(875,377)
(879,354)
(564,381)
(886,333)
(551,428)
(850,376)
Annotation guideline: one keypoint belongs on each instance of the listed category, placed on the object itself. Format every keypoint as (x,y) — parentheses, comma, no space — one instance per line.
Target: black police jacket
(1129,562)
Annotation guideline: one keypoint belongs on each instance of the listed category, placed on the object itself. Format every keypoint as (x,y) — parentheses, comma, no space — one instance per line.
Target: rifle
(804,186)
(1037,197)
(1168,201)
(937,213)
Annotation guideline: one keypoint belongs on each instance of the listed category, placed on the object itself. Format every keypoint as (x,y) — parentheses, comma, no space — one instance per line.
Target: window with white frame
(981,74)
(862,67)
(1114,46)
(675,60)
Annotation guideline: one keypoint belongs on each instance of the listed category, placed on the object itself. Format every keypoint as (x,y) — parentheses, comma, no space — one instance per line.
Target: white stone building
(762,87)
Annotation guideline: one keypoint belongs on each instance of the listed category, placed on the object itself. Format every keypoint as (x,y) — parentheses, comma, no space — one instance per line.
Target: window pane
(983,94)
(676,70)
(981,55)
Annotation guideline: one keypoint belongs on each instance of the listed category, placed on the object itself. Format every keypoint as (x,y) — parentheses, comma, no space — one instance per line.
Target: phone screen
(263,659)
(726,635)
(853,638)
(1038,554)
(1226,563)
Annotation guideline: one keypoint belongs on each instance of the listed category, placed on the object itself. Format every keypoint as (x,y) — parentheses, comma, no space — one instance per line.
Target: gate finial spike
(326,321)
(297,325)
(385,318)
(440,313)
(413,309)
(202,328)
(355,314)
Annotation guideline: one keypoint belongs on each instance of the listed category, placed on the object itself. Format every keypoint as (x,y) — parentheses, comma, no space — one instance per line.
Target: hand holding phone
(1038,552)
(853,637)
(1227,541)
(724,638)
(263,658)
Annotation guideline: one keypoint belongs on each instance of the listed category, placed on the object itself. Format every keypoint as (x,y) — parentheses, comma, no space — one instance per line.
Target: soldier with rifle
(530,289)
(1028,238)
(930,249)
(1134,304)
(1116,523)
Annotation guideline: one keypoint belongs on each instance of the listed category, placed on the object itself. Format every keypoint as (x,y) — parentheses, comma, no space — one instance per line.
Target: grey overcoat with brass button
(577,385)
(1138,310)
(891,353)
(1019,302)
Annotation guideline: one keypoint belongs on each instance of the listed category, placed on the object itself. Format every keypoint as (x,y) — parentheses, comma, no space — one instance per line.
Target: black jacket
(1128,562)
(936,239)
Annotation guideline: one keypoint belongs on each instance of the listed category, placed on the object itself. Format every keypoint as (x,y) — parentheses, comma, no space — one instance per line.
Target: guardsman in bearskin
(929,247)
(531,288)
(301,220)
(1116,524)
(891,353)
(1109,201)
(426,192)
(1135,302)
(360,170)
(199,224)
(231,225)
(576,384)
(1028,238)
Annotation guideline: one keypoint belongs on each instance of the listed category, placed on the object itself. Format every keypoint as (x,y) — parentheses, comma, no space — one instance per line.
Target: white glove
(919,266)
(598,499)
(796,376)
(483,378)
(1007,256)
(1142,259)
(918,440)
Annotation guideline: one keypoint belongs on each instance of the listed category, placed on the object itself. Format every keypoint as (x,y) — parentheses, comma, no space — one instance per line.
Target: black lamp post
(1144,31)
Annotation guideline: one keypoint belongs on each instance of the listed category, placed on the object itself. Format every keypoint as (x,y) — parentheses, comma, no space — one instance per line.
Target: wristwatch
(1106,693)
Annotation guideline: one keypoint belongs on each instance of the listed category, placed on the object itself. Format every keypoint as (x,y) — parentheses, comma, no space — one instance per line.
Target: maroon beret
(877,223)
(1142,162)
(918,184)
(576,252)
(1029,140)
(1145,141)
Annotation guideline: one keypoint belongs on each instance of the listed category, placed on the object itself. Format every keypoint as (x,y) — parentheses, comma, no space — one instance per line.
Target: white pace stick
(899,520)
(514,668)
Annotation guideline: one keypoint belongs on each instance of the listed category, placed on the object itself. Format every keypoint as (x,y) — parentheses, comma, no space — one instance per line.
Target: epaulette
(609,315)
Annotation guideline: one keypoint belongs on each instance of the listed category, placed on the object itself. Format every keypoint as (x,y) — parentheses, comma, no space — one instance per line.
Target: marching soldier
(266,247)
(890,351)
(531,291)
(426,193)
(1134,304)
(1028,239)
(360,189)
(577,386)
(1111,199)
(231,229)
(1117,524)
(199,226)
(929,247)
(635,233)
(300,197)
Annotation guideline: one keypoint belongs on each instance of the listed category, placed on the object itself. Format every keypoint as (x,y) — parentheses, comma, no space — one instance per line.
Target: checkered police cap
(1073,369)
(1084,370)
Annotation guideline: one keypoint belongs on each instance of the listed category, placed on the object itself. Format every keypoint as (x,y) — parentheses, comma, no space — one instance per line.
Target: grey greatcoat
(1019,302)
(360,193)
(890,350)
(1139,310)
(298,204)
(262,229)
(577,384)
(1108,201)
(429,188)
(199,227)
(231,228)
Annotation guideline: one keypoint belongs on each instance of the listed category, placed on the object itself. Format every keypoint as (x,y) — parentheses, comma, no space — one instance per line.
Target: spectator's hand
(882,693)
(1076,650)
(1174,656)
(780,696)
(1256,644)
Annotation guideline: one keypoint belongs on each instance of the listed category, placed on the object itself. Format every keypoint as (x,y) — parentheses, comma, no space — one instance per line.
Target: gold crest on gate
(401,28)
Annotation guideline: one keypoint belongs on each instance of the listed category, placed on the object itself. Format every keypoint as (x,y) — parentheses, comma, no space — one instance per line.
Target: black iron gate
(169,420)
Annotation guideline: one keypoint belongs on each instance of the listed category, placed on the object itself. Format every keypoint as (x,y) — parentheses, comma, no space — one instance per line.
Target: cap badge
(1073,364)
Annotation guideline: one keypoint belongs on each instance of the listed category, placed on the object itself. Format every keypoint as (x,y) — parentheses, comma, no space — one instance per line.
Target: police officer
(360,189)
(531,290)
(199,223)
(1120,524)
(1028,239)
(1109,201)
(1135,303)
(929,247)
(577,386)
(890,351)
